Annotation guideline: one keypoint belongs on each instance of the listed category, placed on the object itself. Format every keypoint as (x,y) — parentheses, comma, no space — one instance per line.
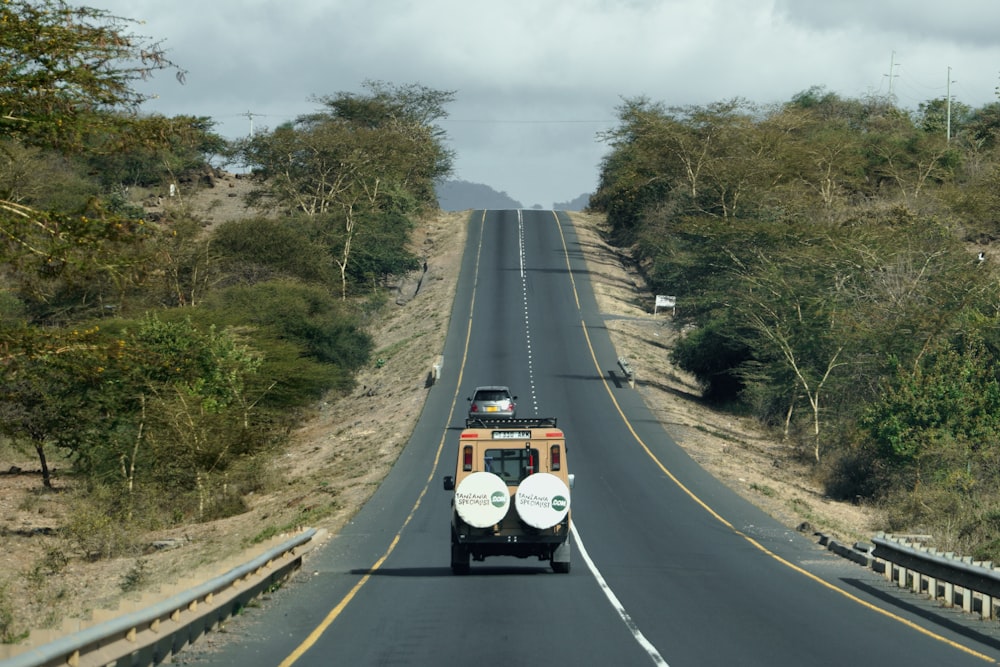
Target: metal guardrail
(953,580)
(944,576)
(152,635)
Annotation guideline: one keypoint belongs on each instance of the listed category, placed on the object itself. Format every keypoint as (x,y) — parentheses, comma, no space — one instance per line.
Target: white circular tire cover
(542,500)
(482,499)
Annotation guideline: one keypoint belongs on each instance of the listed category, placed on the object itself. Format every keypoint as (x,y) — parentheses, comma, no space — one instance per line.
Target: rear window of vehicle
(491,395)
(511,465)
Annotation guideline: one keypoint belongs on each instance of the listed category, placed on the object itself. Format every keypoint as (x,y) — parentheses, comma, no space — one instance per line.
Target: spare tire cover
(482,499)
(542,500)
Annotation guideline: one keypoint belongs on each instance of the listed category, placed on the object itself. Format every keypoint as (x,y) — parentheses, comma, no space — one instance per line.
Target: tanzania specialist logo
(559,503)
(499,498)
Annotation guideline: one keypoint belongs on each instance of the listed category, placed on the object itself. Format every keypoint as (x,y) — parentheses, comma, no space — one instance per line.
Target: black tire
(560,558)
(459,559)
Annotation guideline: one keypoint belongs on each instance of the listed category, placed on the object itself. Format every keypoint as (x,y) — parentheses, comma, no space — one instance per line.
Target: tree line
(832,263)
(164,363)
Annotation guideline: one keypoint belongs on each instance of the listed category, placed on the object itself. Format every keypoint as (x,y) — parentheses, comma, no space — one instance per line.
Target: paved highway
(669,566)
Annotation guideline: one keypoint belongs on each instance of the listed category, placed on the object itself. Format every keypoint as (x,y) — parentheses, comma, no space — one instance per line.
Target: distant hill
(578,204)
(462,195)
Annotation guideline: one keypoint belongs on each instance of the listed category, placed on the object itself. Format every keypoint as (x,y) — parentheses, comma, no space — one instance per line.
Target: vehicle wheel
(560,558)
(459,559)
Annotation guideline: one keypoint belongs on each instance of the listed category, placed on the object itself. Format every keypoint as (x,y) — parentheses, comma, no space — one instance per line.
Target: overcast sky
(535,81)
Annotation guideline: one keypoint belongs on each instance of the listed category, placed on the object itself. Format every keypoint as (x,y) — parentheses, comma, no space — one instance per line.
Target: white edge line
(629,623)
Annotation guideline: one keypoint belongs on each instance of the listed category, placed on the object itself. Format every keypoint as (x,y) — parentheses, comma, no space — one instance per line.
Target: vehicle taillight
(474,408)
(555,458)
(467,458)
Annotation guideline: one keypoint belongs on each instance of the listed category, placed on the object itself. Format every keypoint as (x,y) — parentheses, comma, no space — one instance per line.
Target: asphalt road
(669,566)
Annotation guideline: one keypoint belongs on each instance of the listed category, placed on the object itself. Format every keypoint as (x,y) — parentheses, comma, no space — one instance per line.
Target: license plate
(491,408)
(512,435)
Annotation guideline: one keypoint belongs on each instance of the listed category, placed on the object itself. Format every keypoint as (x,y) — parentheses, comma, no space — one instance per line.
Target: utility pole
(892,69)
(250,116)
(948,106)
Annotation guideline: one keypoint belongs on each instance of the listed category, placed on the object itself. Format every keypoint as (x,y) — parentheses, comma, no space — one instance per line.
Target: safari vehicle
(512,492)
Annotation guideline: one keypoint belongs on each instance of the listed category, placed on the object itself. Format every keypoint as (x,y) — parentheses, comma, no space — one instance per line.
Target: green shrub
(136,577)
(260,249)
(104,524)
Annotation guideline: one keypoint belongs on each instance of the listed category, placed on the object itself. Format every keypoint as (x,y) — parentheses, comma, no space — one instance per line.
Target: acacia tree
(153,148)
(42,380)
(746,164)
(904,154)
(679,145)
(196,381)
(329,170)
(63,69)
(411,110)
(635,175)
(821,154)
(66,76)
(28,411)
(66,84)
(716,160)
(361,159)
(797,319)
(87,392)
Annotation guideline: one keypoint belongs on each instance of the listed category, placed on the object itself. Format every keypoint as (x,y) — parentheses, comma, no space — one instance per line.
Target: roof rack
(510,422)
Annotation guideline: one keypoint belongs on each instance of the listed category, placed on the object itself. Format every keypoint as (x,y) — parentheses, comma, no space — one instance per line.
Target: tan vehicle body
(511,486)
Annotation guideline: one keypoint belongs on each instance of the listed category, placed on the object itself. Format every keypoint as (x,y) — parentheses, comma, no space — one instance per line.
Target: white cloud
(535,81)
(967,23)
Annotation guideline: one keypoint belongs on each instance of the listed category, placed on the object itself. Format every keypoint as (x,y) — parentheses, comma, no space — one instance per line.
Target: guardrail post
(986,606)
(967,597)
(626,367)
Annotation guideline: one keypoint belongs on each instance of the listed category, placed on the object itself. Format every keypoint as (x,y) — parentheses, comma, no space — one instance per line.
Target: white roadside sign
(664,302)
